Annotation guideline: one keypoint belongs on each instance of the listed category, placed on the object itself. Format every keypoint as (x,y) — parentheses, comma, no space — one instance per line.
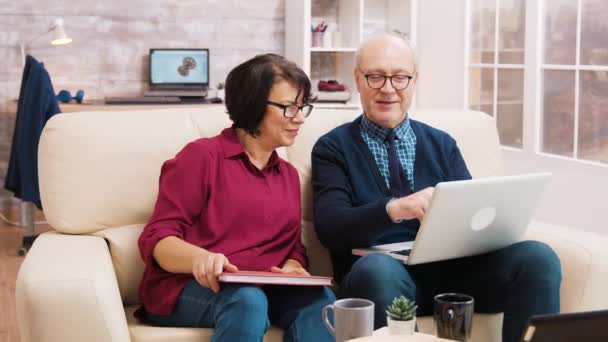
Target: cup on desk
(454,316)
(353,317)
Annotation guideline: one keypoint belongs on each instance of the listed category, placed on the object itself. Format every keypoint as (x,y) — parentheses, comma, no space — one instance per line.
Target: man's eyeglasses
(377,81)
(290,111)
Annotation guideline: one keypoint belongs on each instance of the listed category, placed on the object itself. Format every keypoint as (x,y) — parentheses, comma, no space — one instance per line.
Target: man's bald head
(383,41)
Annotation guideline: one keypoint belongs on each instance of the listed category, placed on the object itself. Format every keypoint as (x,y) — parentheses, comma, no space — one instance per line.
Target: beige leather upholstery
(128,265)
(584,259)
(67,291)
(98,176)
(113,159)
(145,333)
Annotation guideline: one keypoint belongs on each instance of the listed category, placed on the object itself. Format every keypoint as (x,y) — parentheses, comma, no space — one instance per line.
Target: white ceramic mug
(353,317)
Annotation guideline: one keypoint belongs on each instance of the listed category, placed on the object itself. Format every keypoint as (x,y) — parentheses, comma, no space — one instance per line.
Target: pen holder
(317,39)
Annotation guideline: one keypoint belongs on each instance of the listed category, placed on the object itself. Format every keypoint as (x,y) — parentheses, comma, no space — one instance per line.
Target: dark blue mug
(454,316)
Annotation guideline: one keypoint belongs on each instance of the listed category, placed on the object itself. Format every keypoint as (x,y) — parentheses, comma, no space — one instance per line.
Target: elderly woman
(231,203)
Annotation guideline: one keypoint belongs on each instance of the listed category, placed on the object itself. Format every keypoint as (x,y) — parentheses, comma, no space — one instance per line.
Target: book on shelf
(272,278)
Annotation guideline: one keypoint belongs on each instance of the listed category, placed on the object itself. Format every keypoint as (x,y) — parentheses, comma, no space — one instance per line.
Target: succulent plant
(402,309)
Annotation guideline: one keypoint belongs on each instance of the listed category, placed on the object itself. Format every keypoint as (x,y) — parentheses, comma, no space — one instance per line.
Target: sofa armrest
(67,291)
(584,260)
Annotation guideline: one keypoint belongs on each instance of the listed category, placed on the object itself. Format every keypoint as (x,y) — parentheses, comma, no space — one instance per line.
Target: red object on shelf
(331,85)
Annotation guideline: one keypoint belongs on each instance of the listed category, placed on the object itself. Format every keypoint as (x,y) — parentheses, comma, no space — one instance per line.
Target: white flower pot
(401,327)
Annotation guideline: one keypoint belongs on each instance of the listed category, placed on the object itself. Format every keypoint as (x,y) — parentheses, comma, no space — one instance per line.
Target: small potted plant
(401,316)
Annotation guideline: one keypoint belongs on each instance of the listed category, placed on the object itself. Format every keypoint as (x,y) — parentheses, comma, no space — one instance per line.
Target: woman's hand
(206,267)
(290,266)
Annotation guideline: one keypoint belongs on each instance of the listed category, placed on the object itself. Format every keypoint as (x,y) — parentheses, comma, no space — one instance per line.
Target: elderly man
(373,179)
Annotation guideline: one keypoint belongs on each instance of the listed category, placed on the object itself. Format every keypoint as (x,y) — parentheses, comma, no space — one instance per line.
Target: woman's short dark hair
(248,87)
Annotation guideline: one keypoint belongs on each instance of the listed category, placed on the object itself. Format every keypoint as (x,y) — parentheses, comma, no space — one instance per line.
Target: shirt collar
(379,133)
(232,147)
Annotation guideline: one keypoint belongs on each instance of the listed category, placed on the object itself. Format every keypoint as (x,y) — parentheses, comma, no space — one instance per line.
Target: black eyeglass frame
(367,76)
(302,108)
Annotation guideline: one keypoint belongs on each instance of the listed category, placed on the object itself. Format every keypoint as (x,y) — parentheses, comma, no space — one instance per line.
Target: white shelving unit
(332,49)
(355,20)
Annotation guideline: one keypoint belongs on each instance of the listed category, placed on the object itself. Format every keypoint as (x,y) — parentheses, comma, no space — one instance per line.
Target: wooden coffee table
(382,335)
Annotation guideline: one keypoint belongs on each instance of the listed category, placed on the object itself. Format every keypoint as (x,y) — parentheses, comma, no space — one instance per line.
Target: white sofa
(99,179)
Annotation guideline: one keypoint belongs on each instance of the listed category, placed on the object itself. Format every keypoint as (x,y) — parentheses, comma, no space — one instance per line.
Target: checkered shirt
(405,143)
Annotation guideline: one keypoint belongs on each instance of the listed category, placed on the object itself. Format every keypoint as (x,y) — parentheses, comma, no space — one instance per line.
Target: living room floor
(10,241)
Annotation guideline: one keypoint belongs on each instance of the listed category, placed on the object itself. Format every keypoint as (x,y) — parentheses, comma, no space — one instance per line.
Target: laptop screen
(187,67)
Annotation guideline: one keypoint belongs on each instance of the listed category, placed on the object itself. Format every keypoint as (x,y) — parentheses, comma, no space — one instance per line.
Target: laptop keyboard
(402,252)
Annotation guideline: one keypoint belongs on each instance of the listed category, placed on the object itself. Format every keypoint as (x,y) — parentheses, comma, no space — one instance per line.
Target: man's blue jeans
(521,280)
(244,312)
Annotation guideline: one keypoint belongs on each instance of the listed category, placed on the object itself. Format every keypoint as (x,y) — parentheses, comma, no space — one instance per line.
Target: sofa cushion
(476,135)
(141,332)
(100,170)
(319,261)
(128,265)
(584,260)
(317,124)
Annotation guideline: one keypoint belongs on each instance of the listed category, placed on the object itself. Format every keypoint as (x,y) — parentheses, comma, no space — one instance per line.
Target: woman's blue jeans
(244,312)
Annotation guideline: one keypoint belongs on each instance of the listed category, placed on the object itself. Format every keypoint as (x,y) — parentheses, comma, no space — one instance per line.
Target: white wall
(440,54)
(576,195)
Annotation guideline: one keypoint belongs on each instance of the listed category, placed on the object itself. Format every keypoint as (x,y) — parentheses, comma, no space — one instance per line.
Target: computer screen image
(187,67)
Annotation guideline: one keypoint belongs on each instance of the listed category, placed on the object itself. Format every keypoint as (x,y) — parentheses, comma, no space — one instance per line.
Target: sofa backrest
(98,171)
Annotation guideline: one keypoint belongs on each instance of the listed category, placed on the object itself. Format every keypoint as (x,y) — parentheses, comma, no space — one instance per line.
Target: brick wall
(111,39)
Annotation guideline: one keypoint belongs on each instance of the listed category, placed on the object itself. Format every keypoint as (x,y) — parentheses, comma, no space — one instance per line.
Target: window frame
(533,69)
(493,66)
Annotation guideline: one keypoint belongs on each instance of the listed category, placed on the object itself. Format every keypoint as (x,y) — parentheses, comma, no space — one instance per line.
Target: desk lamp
(59,37)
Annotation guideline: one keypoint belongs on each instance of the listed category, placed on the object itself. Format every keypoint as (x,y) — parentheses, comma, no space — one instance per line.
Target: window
(569,69)
(574,79)
(563,124)
(496,69)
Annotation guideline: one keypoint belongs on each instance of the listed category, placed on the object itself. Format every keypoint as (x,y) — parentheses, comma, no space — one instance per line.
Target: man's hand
(290,266)
(410,207)
(206,267)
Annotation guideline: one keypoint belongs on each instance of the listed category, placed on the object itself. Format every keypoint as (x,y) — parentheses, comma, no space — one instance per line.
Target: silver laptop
(470,217)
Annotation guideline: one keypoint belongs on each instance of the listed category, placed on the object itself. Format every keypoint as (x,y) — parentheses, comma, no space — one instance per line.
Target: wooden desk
(100,105)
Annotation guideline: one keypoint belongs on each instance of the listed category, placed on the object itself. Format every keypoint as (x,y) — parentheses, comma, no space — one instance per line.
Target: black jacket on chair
(37,104)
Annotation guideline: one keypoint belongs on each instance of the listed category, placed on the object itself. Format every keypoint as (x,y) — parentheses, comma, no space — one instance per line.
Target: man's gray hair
(397,36)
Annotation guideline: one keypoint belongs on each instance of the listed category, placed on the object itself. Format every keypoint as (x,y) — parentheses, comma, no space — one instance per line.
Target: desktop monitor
(179,68)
